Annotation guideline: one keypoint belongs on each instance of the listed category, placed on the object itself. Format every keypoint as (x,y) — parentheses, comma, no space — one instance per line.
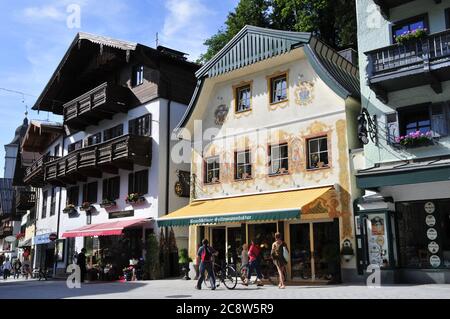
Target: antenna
(157,40)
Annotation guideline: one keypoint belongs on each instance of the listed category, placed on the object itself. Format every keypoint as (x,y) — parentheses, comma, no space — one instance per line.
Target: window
(279,161)
(75,146)
(242,165)
(317,152)
(56,150)
(141,126)
(138,75)
(44,204)
(53,202)
(447,18)
(113,132)
(278,89)
(212,170)
(111,188)
(73,195)
(243,98)
(424,118)
(409,25)
(138,182)
(94,139)
(90,192)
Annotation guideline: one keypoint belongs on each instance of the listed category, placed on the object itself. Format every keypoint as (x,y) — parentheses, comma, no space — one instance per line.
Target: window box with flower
(415,139)
(87,207)
(107,203)
(134,199)
(407,36)
(70,209)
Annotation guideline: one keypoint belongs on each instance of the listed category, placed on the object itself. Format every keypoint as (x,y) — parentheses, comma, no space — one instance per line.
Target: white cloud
(45,12)
(183,14)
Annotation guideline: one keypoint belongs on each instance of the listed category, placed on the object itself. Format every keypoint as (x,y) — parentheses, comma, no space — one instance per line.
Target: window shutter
(438,120)
(105,189)
(144,177)
(115,193)
(130,183)
(392,128)
(85,193)
(131,127)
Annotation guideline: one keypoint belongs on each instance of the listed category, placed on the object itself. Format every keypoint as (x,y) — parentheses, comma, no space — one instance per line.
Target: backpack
(206,254)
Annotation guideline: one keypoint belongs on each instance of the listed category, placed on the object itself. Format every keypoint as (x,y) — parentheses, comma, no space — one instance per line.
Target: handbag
(285,254)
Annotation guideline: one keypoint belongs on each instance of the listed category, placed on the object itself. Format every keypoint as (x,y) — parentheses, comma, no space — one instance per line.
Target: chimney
(350,55)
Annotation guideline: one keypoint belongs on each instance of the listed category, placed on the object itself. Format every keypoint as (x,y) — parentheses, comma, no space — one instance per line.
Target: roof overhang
(40,135)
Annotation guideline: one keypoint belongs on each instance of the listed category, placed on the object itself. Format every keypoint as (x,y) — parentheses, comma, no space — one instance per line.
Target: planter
(134,199)
(411,36)
(417,139)
(109,204)
(87,207)
(71,210)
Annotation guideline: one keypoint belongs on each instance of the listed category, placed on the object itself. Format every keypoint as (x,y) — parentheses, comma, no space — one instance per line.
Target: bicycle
(224,273)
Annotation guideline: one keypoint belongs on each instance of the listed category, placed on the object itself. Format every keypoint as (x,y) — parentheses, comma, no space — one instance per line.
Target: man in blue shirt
(204,256)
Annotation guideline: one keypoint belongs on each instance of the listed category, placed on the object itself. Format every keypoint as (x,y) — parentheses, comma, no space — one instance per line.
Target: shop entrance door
(315,251)
(218,242)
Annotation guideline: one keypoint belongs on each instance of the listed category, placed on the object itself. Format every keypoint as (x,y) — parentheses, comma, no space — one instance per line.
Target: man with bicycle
(204,257)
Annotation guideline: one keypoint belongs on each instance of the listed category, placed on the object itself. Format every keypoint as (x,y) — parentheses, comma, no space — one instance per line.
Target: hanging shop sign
(41,239)
(432,234)
(430,207)
(53,237)
(435,261)
(433,247)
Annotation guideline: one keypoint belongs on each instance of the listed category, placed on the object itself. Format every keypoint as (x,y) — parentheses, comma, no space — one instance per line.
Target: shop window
(243,98)
(242,165)
(424,234)
(113,132)
(137,75)
(317,152)
(279,159)
(75,146)
(212,170)
(111,188)
(141,126)
(53,202)
(44,204)
(264,235)
(90,193)
(424,118)
(278,89)
(138,182)
(73,195)
(409,25)
(94,139)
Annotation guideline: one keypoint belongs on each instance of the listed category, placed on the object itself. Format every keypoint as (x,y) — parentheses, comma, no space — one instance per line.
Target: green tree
(334,21)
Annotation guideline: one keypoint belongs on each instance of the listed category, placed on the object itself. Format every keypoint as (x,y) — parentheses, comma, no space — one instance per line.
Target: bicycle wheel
(229,277)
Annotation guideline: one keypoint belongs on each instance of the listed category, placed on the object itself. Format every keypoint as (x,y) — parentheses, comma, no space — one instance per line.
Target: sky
(35,35)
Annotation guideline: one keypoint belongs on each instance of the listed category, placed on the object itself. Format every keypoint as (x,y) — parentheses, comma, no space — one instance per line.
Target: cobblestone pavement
(180,289)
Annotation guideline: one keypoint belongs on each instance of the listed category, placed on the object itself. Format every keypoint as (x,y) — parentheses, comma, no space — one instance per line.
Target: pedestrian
(81,262)
(254,263)
(204,257)
(17,266)
(26,267)
(244,262)
(6,269)
(277,253)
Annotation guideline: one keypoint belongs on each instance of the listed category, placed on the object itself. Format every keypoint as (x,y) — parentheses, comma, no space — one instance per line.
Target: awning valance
(269,206)
(105,229)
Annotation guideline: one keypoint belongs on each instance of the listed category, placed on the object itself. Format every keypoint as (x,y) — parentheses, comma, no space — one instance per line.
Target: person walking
(244,262)
(17,266)
(81,262)
(254,263)
(26,267)
(277,254)
(204,257)
(6,268)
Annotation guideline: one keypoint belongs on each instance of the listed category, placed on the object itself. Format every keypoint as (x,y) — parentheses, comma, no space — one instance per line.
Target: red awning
(105,229)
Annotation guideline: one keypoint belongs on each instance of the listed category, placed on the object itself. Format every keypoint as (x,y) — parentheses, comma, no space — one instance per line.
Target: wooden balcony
(25,200)
(100,103)
(92,161)
(418,62)
(34,174)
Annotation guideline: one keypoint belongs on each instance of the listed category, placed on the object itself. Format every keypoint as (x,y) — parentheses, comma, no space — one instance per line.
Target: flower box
(106,203)
(70,209)
(135,199)
(416,139)
(411,35)
(87,207)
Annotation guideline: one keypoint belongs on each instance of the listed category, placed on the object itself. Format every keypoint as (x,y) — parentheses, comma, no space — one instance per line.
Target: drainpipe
(59,213)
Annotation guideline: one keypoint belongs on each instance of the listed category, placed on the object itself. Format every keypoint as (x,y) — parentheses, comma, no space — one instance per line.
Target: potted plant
(19,236)
(86,206)
(411,35)
(134,198)
(184,261)
(107,203)
(415,139)
(70,208)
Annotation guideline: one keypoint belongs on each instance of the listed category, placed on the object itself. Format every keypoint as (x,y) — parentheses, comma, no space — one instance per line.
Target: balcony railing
(25,200)
(95,105)
(107,157)
(34,174)
(417,62)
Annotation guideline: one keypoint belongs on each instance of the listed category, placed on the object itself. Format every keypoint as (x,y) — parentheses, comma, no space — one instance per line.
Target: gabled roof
(255,44)
(250,45)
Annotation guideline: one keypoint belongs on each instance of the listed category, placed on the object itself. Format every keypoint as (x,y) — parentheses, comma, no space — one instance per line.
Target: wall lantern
(367,127)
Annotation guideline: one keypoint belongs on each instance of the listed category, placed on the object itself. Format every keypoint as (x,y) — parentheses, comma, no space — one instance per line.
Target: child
(244,262)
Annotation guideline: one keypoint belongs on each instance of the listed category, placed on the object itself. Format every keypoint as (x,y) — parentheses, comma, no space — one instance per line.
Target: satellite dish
(10,239)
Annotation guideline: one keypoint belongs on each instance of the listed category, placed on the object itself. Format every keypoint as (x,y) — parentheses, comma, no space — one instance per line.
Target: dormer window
(137,76)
